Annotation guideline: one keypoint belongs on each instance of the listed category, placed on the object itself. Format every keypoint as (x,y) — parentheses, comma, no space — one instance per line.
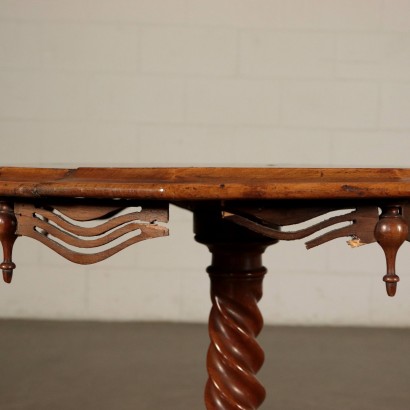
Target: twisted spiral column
(234,356)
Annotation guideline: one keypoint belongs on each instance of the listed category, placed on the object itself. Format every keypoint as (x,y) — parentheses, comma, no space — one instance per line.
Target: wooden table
(89,214)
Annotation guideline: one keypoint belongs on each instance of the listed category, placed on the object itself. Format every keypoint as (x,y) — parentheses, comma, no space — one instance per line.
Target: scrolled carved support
(8,228)
(86,233)
(390,232)
(358,223)
(362,224)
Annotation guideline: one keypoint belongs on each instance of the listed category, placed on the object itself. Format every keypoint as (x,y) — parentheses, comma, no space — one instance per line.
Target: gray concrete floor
(146,366)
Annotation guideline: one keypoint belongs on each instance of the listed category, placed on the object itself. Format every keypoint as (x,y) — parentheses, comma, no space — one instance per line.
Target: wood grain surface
(195,183)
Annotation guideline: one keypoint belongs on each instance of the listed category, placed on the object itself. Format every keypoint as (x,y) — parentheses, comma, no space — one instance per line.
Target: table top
(205,183)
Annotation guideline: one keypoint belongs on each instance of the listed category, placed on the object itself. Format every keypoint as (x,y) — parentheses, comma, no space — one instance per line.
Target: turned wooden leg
(234,356)
(8,227)
(391,231)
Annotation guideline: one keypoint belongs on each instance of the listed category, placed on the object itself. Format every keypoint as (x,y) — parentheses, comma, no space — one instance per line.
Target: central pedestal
(236,273)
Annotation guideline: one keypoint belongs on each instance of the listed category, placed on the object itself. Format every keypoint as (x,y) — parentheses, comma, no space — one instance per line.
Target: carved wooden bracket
(66,228)
(363,225)
(359,224)
(81,232)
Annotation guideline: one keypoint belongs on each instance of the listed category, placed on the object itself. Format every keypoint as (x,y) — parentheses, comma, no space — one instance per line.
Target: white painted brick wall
(331,104)
(395,15)
(278,54)
(381,56)
(137,82)
(235,13)
(134,98)
(186,50)
(394,115)
(70,46)
(232,101)
(336,15)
